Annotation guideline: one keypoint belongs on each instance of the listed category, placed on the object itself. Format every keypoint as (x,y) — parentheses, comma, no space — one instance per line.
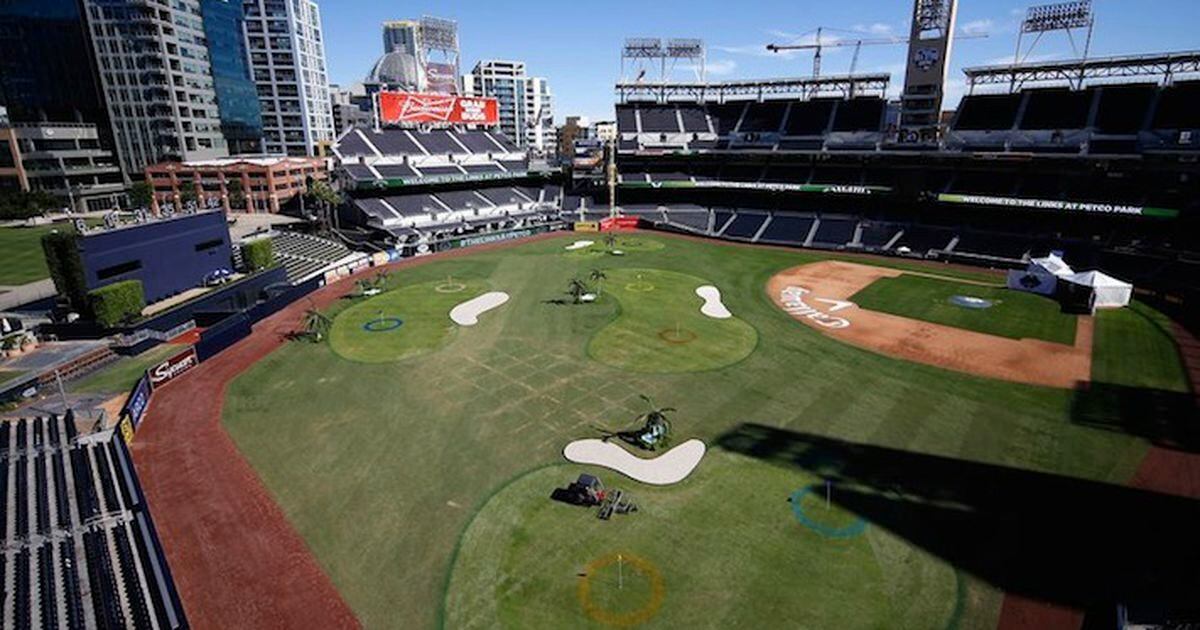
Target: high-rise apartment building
(287,58)
(237,96)
(526,103)
(157,80)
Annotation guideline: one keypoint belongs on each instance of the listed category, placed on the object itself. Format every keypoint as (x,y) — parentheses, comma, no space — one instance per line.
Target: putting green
(720,550)
(424,310)
(660,327)
(627,244)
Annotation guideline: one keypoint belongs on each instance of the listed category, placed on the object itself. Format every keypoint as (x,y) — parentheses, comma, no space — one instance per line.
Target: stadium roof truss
(1076,72)
(806,87)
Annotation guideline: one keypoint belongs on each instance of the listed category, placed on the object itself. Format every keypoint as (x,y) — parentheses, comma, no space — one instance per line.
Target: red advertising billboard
(418,108)
(168,370)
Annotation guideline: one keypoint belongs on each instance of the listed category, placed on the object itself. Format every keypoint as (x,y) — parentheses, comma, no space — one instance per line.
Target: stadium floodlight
(642,48)
(685,48)
(1062,16)
(1058,17)
(439,33)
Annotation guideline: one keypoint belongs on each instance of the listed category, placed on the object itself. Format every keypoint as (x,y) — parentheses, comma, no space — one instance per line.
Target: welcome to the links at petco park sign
(1064,206)
(825,189)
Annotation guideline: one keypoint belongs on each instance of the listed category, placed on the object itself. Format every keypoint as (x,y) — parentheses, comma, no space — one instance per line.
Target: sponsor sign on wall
(618,223)
(1056,204)
(587,226)
(138,400)
(441,78)
(172,368)
(825,189)
(447,109)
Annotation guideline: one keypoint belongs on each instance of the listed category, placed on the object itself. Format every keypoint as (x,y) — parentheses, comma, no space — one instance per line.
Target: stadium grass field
(24,260)
(1012,313)
(421,485)
(122,375)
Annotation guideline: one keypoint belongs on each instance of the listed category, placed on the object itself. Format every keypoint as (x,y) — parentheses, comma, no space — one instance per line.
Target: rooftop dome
(396,69)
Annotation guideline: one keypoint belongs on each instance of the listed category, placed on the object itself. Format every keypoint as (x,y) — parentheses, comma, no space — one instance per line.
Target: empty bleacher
(745,225)
(988,112)
(859,114)
(1056,109)
(809,118)
(401,142)
(1178,107)
(659,119)
(304,255)
(766,117)
(835,231)
(787,229)
(921,239)
(695,120)
(1123,109)
(876,235)
(88,557)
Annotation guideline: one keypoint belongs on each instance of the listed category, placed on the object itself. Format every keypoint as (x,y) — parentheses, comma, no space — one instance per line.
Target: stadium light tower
(930,42)
(1064,16)
(639,55)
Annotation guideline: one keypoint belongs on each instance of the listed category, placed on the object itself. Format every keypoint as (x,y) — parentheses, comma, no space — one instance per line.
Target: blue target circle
(855,528)
(383,324)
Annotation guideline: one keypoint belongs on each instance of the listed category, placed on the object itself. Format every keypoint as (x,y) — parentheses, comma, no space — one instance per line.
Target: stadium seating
(694,118)
(1123,108)
(988,112)
(726,116)
(87,556)
(304,256)
(834,231)
(859,114)
(787,229)
(766,117)
(809,118)
(745,225)
(657,119)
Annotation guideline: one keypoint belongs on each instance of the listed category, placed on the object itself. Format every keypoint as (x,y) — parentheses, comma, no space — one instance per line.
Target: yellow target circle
(637,566)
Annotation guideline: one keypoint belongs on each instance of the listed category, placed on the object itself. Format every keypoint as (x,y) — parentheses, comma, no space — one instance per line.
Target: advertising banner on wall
(172,368)
(1057,204)
(827,189)
(441,78)
(618,223)
(138,400)
(401,108)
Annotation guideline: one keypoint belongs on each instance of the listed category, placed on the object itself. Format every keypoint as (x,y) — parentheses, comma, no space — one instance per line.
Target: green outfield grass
(625,243)
(1013,314)
(661,329)
(387,467)
(1134,348)
(522,560)
(8,375)
(423,309)
(121,376)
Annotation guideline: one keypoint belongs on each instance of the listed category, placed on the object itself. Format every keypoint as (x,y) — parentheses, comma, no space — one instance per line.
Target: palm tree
(380,280)
(656,423)
(576,289)
(316,324)
(610,241)
(598,277)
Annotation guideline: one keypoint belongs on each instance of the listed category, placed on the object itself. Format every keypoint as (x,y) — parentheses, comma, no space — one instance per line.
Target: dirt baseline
(816,294)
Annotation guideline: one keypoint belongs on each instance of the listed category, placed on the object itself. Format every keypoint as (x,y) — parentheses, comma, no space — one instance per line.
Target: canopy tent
(1107,291)
(1052,263)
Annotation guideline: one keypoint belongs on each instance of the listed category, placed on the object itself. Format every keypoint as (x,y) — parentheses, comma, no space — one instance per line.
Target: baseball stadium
(778,353)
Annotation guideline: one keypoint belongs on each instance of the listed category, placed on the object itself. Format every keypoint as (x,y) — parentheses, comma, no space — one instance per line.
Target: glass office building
(237,96)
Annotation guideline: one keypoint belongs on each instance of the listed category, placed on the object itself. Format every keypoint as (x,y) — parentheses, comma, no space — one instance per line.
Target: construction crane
(819,45)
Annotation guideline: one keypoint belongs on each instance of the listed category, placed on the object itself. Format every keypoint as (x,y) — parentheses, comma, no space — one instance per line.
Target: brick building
(237,184)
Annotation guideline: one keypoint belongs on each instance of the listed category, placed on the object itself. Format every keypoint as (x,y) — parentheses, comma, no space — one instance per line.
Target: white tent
(1107,291)
(1052,263)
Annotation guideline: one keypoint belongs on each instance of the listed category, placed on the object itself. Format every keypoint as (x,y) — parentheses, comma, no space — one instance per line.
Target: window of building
(117,270)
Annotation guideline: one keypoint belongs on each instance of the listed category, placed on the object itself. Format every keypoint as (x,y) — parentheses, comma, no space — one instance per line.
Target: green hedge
(66,269)
(117,303)
(258,255)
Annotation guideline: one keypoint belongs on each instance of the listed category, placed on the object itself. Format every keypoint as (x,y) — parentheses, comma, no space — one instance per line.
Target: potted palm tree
(316,324)
(598,276)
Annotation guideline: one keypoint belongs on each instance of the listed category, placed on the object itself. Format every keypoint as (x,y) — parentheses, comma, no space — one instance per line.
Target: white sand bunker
(670,467)
(467,313)
(713,306)
(579,245)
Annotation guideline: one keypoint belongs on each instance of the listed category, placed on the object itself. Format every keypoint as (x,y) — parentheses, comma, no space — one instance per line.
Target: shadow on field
(1057,539)
(1164,418)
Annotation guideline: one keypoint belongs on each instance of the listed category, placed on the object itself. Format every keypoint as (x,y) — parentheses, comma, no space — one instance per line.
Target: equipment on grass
(588,491)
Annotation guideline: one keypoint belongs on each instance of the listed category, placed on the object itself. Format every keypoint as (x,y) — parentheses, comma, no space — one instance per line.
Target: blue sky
(576,45)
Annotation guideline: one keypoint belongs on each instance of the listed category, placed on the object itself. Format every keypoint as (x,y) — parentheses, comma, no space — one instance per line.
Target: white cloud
(720,67)
(877,28)
(977,27)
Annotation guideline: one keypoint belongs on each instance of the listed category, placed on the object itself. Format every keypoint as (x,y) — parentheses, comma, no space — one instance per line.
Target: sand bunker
(579,245)
(713,307)
(467,313)
(670,467)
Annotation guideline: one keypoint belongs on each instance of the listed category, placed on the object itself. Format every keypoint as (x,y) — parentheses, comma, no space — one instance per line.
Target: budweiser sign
(170,369)
(416,108)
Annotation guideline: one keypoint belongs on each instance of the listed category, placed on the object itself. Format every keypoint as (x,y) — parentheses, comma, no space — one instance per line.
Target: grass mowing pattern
(1134,348)
(123,374)
(520,559)
(380,467)
(661,329)
(627,244)
(424,310)
(1013,314)
(8,375)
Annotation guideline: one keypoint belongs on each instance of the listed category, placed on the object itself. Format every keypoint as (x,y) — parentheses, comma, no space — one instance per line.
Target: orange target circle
(625,619)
